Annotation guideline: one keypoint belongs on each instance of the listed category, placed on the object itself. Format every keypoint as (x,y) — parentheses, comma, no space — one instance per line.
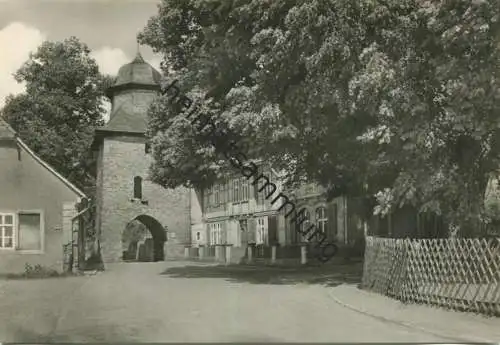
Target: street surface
(188,302)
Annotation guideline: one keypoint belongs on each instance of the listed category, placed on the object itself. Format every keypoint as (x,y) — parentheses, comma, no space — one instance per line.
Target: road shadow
(94,333)
(328,275)
(23,276)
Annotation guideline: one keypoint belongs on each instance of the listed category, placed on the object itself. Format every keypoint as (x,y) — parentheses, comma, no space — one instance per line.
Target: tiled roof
(137,74)
(51,169)
(138,71)
(6,131)
(122,121)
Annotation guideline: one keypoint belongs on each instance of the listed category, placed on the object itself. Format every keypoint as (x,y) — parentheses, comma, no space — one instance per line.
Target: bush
(39,271)
(34,272)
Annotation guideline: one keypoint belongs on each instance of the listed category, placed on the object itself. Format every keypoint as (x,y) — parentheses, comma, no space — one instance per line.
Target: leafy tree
(134,232)
(193,36)
(395,98)
(61,107)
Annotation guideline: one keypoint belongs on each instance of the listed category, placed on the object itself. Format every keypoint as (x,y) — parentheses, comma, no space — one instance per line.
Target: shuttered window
(262,231)
(30,234)
(331,230)
(305,226)
(273,229)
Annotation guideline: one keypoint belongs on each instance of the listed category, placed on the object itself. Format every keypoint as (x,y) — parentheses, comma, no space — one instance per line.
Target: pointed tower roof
(137,74)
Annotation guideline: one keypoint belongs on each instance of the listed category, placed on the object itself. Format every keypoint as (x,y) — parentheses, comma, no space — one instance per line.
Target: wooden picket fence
(461,273)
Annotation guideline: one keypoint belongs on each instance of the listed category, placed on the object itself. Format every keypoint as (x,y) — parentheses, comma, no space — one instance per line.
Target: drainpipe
(190,232)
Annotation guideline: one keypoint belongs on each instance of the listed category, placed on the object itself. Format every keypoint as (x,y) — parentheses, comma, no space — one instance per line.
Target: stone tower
(123,191)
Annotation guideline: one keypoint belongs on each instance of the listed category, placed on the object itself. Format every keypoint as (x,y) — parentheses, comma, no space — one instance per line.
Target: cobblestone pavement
(187,302)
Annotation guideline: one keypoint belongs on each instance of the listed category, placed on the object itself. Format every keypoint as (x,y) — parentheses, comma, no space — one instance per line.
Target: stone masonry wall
(124,158)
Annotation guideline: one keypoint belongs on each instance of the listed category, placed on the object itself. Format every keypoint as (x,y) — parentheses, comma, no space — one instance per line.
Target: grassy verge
(37,272)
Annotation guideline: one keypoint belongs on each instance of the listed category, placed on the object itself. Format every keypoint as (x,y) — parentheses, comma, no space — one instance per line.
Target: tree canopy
(61,107)
(397,99)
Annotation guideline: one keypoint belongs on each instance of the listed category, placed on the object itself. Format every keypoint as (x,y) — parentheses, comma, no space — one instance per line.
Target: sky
(108,27)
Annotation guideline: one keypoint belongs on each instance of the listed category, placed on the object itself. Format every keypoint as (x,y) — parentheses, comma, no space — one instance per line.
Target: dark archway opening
(143,240)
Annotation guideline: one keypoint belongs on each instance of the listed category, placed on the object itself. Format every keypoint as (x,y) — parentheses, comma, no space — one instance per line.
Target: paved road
(189,302)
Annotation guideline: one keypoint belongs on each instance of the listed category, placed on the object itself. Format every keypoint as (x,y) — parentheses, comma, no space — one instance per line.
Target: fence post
(201,252)
(250,252)
(273,254)
(228,253)
(303,253)
(186,252)
(219,256)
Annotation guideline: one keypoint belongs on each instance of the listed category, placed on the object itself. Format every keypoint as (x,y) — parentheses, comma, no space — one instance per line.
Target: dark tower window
(137,187)
(147,148)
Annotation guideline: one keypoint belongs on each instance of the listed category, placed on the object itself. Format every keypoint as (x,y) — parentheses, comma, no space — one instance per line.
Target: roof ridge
(51,169)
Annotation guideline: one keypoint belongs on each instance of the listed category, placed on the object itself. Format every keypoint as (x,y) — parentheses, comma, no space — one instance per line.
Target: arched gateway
(144,239)
(124,191)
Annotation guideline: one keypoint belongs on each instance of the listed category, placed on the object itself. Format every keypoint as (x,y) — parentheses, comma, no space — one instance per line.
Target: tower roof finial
(138,56)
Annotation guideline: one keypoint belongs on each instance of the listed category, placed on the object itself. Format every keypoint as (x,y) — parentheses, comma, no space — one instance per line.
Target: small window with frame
(138,187)
(7,233)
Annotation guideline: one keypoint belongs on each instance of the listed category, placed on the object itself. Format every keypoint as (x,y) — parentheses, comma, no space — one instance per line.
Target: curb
(400,323)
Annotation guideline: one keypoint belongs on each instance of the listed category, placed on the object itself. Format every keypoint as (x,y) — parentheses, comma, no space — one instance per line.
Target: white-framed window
(211,196)
(212,234)
(321,219)
(215,234)
(7,231)
(266,193)
(236,190)
(21,231)
(205,200)
(216,195)
(245,189)
(222,192)
(218,231)
(262,231)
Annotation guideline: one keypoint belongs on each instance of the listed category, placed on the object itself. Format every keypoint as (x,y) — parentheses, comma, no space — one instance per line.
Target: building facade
(37,206)
(331,217)
(238,212)
(124,192)
(233,211)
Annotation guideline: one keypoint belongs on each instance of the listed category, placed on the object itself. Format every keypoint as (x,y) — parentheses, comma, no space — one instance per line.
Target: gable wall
(27,185)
